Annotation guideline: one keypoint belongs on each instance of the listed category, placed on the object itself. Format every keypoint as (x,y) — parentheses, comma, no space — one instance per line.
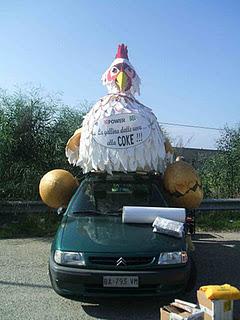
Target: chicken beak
(122,81)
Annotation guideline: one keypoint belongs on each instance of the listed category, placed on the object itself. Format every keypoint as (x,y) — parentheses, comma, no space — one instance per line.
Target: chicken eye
(130,72)
(114,70)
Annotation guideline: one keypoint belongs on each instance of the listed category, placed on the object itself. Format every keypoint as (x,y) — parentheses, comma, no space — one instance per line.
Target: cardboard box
(215,309)
(181,310)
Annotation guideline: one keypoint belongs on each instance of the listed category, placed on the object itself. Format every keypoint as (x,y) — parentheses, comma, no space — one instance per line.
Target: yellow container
(223,292)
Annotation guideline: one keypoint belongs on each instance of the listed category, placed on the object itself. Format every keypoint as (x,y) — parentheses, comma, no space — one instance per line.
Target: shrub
(33,133)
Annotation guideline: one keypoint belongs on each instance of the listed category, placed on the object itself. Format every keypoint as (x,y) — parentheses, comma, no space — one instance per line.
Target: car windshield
(109,197)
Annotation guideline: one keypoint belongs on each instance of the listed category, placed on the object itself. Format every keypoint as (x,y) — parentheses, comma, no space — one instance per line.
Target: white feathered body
(146,156)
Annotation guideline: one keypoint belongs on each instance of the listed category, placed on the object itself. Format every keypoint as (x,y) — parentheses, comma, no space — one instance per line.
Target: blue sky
(187,54)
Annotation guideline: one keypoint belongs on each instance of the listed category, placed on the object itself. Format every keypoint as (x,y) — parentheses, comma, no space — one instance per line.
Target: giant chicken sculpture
(121,134)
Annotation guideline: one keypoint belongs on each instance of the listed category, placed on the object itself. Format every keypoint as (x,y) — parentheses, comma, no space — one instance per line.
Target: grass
(30,225)
(218,221)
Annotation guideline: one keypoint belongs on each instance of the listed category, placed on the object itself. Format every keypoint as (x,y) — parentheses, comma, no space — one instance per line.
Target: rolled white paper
(149,214)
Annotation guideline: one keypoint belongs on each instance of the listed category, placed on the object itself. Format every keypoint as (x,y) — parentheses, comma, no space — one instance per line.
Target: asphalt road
(25,291)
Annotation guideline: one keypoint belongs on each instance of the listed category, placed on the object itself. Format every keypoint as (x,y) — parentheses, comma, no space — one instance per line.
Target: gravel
(26,293)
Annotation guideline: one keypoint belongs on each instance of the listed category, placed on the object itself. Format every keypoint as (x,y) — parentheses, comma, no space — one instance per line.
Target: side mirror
(61,211)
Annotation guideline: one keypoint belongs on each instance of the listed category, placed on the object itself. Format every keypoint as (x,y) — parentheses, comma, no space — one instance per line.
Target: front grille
(127,261)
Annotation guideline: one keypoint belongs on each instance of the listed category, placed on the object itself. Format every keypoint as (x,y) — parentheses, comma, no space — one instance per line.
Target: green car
(94,254)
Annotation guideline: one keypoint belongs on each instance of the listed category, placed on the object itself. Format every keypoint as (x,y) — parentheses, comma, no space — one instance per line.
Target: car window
(83,199)
(110,196)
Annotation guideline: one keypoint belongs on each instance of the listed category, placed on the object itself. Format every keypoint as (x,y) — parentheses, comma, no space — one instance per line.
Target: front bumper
(163,282)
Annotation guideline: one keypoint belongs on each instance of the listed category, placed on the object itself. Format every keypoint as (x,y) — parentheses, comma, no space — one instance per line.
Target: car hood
(109,234)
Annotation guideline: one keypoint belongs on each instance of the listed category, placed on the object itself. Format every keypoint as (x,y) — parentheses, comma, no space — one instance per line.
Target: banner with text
(121,130)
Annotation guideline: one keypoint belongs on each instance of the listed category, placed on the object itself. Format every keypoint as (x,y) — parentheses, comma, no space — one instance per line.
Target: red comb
(122,52)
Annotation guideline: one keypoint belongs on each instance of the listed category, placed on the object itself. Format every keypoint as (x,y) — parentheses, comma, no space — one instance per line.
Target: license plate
(120,282)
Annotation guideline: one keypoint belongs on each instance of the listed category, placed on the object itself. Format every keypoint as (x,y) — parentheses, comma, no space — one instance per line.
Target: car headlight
(173,257)
(69,258)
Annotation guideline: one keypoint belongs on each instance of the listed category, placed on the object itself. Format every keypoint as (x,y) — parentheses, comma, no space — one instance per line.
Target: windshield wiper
(88,212)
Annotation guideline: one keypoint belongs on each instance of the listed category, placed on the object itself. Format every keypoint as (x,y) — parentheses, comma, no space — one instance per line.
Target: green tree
(221,173)
(33,133)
